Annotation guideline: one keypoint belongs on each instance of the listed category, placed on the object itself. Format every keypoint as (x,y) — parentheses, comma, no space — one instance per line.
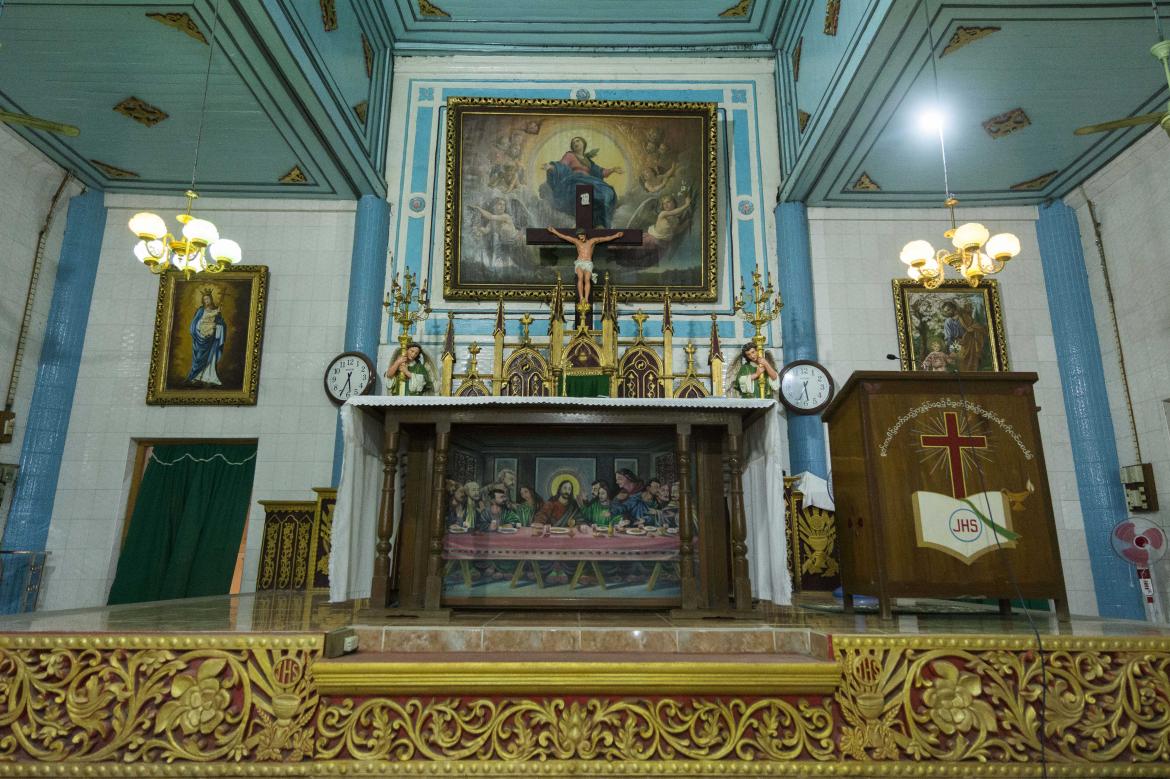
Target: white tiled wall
(1132,200)
(855,257)
(27,183)
(306,246)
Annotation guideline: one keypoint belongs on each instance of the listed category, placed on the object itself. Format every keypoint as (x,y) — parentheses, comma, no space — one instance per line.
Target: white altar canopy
(355,516)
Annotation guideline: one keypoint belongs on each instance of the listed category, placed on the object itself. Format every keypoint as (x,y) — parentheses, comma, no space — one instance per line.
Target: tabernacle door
(941,488)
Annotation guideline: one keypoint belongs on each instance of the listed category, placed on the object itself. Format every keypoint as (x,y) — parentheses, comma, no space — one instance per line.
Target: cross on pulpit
(954,444)
(640,318)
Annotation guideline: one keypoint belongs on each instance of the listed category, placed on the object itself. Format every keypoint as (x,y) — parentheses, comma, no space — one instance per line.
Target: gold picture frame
(207,352)
(655,167)
(974,338)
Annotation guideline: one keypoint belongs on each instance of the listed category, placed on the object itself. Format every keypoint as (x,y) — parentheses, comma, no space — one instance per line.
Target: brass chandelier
(977,253)
(198,247)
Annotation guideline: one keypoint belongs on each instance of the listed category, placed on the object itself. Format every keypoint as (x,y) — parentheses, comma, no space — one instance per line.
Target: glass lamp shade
(970,236)
(917,253)
(225,250)
(914,273)
(147,225)
(140,251)
(1003,246)
(200,231)
(984,262)
(930,268)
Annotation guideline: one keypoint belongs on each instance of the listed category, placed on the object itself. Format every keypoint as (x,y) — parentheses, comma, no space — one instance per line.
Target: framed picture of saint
(953,328)
(641,172)
(208,332)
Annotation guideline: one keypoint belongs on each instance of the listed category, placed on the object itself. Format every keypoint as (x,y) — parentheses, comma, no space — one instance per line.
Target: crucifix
(954,444)
(536,236)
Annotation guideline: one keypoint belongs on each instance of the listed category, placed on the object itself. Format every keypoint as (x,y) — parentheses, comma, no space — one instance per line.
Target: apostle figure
(408,373)
(597,513)
(527,506)
(208,333)
(496,513)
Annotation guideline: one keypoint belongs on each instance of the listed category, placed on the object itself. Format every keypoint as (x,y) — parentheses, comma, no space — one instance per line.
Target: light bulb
(200,231)
(931,120)
(984,262)
(916,253)
(225,250)
(914,273)
(970,236)
(147,225)
(1003,246)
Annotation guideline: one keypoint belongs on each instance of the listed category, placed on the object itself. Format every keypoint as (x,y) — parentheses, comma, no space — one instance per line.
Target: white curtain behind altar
(355,516)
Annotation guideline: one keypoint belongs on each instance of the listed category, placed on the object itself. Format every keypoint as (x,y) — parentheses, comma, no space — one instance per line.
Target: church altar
(388,524)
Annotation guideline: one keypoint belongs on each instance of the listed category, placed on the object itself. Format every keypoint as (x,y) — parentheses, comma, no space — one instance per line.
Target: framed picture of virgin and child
(515,164)
(208,331)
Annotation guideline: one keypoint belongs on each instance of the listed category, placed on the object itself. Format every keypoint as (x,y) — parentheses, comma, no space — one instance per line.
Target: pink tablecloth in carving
(525,546)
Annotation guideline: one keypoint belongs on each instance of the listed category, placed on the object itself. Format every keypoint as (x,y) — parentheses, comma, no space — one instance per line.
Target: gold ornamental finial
(525,322)
(640,318)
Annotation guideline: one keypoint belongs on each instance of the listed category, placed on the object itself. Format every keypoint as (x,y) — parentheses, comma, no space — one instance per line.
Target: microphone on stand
(891,356)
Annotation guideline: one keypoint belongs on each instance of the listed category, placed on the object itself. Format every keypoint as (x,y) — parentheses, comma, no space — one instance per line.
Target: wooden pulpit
(941,488)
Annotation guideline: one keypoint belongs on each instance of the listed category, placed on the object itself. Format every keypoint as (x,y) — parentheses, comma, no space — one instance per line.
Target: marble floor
(800,628)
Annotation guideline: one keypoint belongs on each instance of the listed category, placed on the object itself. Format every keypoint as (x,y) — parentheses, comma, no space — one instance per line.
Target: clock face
(805,387)
(348,375)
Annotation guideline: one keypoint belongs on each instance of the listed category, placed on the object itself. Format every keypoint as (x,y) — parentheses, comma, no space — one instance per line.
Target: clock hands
(347,385)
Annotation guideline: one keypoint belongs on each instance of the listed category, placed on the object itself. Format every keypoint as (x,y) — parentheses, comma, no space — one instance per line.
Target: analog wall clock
(805,387)
(349,374)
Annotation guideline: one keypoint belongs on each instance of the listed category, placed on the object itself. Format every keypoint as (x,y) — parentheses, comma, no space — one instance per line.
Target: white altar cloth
(355,516)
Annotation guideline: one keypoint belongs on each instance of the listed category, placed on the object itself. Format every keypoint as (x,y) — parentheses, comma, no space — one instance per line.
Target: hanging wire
(1154,3)
(937,101)
(206,85)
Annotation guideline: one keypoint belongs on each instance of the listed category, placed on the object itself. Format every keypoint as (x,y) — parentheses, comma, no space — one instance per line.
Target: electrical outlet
(1140,493)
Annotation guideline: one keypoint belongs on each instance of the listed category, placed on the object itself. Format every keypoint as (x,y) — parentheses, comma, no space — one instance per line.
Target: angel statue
(409,372)
(752,367)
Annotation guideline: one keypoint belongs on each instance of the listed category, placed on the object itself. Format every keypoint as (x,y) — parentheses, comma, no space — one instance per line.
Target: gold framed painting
(515,164)
(208,331)
(955,327)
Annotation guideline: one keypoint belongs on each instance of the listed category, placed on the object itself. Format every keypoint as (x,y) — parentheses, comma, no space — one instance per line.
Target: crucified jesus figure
(583,267)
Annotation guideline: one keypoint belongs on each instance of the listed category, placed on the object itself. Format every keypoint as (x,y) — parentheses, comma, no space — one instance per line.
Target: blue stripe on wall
(56,380)
(367,276)
(1086,404)
(806,432)
(421,164)
(740,150)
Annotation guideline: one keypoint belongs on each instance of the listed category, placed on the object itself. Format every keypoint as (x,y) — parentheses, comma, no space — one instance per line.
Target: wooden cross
(538,236)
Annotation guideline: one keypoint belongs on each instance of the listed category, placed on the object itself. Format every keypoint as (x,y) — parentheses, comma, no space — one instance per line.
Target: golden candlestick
(407,304)
(766,303)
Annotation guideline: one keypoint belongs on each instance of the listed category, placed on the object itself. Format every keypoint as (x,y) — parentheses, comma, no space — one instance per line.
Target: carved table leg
(381,582)
(434,583)
(686,540)
(741,584)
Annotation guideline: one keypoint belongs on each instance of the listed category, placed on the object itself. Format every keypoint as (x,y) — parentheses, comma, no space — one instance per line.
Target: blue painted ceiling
(299,96)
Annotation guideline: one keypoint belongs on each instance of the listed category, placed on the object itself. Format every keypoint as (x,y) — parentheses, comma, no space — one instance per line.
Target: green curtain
(586,386)
(185,532)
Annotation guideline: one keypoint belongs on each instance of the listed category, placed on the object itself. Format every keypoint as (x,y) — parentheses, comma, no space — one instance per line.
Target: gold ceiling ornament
(361,110)
(977,253)
(367,56)
(796,59)
(141,111)
(865,184)
(802,118)
(294,176)
(198,247)
(181,22)
(1040,182)
(832,16)
(329,15)
(739,10)
(1006,123)
(427,8)
(113,171)
(965,35)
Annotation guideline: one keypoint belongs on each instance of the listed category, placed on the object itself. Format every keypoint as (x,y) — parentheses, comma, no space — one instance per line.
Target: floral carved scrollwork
(574,729)
(1001,705)
(154,705)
